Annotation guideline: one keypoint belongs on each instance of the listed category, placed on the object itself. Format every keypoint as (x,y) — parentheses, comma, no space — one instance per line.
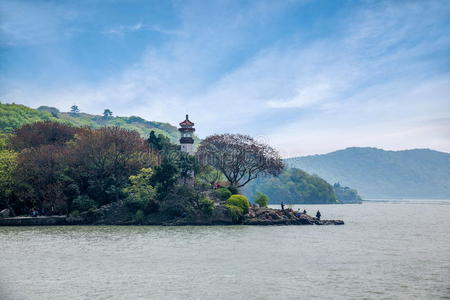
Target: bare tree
(239,157)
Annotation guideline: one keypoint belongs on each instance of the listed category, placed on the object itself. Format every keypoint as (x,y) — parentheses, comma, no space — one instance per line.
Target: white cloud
(368,84)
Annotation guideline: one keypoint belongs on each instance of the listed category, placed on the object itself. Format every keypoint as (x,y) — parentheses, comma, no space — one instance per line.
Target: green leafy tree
(140,193)
(165,177)
(8,165)
(261,199)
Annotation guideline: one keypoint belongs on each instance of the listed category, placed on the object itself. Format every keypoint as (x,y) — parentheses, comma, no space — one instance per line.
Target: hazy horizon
(308,77)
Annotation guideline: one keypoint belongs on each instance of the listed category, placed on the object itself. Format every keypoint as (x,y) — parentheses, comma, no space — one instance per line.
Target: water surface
(385,251)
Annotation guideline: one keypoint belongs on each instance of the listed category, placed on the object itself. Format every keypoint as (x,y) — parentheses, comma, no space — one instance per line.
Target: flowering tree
(239,157)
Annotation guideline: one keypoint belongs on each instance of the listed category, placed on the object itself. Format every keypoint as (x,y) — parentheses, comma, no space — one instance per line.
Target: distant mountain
(13,116)
(376,173)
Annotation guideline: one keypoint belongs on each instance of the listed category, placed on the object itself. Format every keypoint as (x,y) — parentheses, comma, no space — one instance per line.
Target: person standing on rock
(282,205)
(318,215)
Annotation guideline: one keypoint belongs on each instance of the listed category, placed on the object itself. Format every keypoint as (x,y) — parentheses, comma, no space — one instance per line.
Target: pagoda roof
(186,122)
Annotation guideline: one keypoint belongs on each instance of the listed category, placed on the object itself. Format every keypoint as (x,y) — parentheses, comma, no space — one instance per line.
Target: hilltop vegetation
(13,116)
(376,173)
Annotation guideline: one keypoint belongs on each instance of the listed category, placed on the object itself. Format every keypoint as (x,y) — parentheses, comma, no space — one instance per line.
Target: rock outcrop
(116,214)
(270,216)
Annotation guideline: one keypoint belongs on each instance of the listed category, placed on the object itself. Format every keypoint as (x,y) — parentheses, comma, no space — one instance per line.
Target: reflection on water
(385,250)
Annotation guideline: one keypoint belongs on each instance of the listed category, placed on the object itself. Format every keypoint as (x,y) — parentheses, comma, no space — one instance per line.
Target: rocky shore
(114,214)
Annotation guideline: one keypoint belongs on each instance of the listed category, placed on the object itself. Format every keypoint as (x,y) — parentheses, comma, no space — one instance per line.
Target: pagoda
(186,140)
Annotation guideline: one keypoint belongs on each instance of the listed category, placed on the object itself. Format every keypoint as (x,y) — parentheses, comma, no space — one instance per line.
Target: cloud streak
(378,80)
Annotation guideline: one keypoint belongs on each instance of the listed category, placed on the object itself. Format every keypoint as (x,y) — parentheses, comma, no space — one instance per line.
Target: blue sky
(305,76)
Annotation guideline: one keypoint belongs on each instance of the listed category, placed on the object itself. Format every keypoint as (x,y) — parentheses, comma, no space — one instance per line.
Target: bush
(179,202)
(207,206)
(239,201)
(139,216)
(92,215)
(233,190)
(83,203)
(222,193)
(236,213)
(75,214)
(135,203)
(261,199)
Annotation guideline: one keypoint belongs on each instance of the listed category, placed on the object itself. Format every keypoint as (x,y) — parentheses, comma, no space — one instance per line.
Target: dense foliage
(237,206)
(293,186)
(13,116)
(375,173)
(222,193)
(48,165)
(345,194)
(261,199)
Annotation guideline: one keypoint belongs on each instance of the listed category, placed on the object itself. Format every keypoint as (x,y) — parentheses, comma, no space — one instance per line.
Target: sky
(307,77)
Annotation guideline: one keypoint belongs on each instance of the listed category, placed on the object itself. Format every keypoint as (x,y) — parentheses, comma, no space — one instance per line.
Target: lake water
(385,251)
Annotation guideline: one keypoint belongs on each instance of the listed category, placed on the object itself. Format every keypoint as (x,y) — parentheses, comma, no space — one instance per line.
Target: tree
(239,157)
(107,114)
(41,179)
(42,133)
(8,164)
(161,143)
(209,174)
(187,165)
(102,160)
(74,110)
(165,177)
(140,193)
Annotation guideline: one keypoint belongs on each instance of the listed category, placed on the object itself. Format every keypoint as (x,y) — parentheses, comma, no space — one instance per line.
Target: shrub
(222,193)
(75,214)
(83,203)
(261,199)
(233,190)
(92,215)
(139,216)
(135,203)
(236,213)
(179,202)
(207,206)
(239,201)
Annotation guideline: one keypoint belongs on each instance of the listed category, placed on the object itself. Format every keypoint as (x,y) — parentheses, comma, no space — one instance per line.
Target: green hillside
(376,173)
(13,116)
(293,186)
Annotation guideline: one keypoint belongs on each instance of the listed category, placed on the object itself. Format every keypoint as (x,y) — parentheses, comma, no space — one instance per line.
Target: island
(55,173)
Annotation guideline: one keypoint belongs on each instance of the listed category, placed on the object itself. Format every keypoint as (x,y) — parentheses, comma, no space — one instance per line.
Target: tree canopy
(239,157)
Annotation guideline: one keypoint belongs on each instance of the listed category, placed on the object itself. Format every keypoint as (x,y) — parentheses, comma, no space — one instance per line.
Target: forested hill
(376,173)
(13,116)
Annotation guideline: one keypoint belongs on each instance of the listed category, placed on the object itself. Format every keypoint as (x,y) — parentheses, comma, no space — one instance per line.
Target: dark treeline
(57,163)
